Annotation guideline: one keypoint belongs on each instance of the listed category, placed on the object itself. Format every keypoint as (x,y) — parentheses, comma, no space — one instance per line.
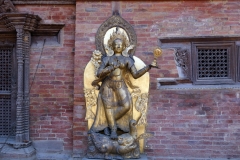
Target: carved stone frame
(114,21)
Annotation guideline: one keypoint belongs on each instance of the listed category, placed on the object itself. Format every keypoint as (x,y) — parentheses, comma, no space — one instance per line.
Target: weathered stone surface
(48,145)
(9,153)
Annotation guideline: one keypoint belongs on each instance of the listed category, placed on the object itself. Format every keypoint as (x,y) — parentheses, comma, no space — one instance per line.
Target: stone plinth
(10,153)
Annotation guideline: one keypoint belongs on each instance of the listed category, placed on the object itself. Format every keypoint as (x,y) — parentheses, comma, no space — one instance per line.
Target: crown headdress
(118,35)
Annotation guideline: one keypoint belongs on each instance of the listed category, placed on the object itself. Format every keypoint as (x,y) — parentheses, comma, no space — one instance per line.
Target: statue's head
(118,41)
(118,46)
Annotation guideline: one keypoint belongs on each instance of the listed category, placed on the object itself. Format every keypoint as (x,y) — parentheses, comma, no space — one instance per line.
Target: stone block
(48,145)
(10,153)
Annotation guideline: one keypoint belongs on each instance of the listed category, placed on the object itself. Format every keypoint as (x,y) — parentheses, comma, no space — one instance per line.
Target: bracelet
(146,68)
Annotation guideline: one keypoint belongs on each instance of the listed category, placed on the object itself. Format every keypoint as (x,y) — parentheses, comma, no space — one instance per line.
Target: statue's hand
(116,65)
(152,66)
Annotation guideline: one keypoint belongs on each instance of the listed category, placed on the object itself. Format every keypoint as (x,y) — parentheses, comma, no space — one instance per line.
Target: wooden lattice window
(5,115)
(214,63)
(6,69)
(6,86)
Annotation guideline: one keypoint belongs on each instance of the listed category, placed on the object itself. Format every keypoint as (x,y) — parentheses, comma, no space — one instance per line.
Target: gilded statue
(113,132)
(114,108)
(116,89)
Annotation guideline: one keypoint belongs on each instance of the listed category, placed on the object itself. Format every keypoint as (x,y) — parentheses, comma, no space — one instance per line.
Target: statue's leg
(125,103)
(111,122)
(108,103)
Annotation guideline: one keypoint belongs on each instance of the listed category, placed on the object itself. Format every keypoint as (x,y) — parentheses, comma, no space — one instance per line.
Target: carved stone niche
(15,35)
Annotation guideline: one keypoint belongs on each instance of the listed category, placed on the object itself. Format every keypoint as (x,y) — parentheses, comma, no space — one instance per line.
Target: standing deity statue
(115,119)
(114,100)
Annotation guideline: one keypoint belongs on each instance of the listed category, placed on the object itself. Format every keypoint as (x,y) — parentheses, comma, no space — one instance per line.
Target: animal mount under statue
(127,145)
(116,86)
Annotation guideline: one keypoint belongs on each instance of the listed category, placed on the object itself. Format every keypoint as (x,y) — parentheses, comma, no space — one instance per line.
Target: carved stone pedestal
(10,153)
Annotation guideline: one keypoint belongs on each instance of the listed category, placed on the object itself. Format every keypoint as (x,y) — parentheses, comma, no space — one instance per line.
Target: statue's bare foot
(107,131)
(113,135)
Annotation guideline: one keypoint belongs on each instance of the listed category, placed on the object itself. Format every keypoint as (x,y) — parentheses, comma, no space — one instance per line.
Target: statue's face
(118,46)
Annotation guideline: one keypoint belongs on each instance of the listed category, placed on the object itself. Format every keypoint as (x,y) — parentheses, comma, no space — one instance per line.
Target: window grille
(5,115)
(212,63)
(5,90)
(5,69)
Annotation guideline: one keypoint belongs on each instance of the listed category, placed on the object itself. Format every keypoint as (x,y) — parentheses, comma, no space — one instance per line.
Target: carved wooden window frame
(231,62)
(187,45)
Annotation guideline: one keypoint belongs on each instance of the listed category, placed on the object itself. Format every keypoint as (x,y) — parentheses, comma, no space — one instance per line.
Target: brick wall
(194,123)
(199,123)
(185,123)
(51,95)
